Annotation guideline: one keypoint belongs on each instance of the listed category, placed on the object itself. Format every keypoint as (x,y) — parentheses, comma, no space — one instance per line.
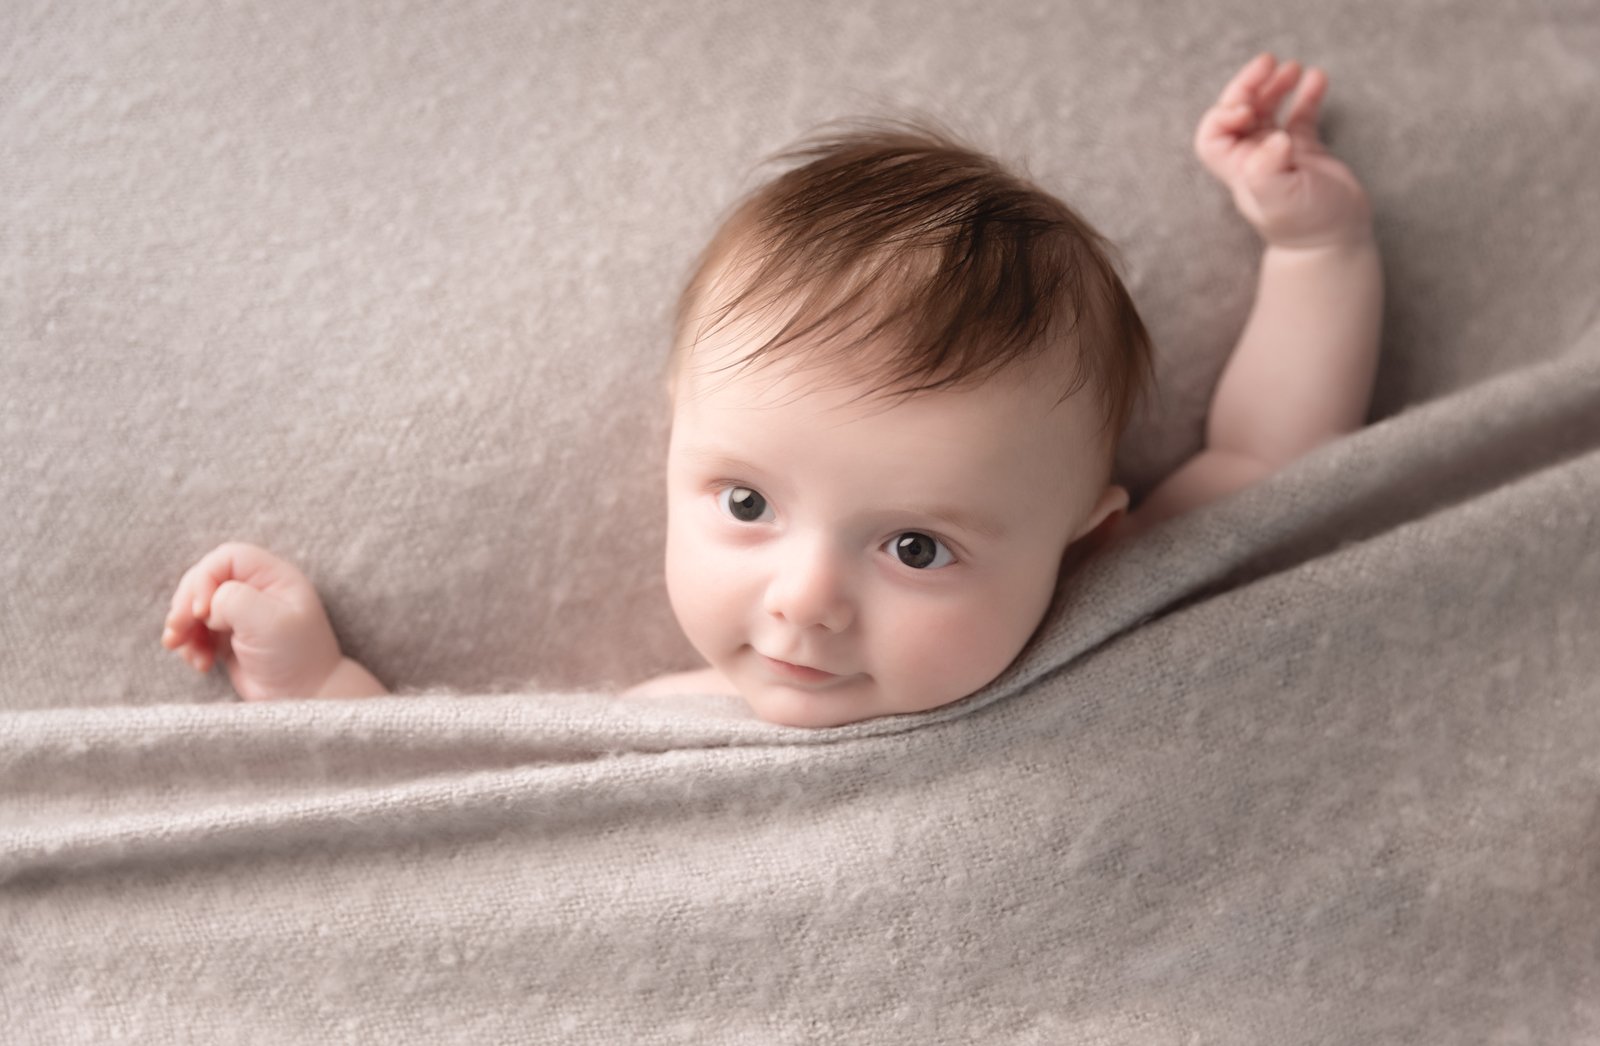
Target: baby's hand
(259,616)
(1284,182)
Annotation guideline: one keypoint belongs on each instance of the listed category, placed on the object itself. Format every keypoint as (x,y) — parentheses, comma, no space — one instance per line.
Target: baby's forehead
(831,379)
(1017,421)
(1032,392)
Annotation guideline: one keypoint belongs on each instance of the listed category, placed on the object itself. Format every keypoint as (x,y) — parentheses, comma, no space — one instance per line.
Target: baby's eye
(919,551)
(743,504)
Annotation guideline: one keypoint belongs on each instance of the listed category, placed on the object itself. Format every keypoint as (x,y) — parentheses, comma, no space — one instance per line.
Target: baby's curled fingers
(1227,121)
(230,561)
(193,645)
(1273,92)
(180,620)
(182,634)
(1248,105)
(207,640)
(1302,121)
(1242,88)
(185,630)
(1262,85)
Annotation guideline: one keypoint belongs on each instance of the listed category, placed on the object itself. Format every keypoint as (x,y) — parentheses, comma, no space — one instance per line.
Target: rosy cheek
(958,641)
(702,582)
(944,653)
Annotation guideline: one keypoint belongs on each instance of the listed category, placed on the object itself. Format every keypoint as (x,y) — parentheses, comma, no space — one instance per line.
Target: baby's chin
(787,705)
(837,706)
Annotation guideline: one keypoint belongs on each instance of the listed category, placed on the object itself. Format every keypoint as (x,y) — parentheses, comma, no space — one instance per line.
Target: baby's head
(898,379)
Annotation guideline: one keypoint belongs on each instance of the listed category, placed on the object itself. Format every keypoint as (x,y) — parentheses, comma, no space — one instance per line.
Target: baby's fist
(258,616)
(1284,181)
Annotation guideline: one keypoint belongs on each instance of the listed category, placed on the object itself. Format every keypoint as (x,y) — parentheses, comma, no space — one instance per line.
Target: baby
(897,382)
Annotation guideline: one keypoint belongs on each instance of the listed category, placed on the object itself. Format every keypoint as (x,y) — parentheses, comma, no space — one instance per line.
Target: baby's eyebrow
(979,525)
(960,519)
(712,459)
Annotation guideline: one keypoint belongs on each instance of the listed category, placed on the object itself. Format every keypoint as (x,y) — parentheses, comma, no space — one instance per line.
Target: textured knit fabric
(387,288)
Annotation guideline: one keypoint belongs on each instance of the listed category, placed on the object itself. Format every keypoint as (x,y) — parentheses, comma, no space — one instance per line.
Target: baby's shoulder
(700,681)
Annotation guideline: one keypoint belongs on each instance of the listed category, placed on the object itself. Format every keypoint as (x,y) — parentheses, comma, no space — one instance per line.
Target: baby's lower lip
(798,673)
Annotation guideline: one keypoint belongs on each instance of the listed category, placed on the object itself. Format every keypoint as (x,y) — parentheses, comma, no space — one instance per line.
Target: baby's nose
(810,589)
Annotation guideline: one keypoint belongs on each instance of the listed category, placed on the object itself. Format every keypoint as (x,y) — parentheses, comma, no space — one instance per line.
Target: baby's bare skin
(699,681)
(259,617)
(814,579)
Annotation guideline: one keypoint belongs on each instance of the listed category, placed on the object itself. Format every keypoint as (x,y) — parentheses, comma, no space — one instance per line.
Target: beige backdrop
(386,287)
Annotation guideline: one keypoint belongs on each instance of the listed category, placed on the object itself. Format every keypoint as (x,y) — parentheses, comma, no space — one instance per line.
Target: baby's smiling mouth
(793,673)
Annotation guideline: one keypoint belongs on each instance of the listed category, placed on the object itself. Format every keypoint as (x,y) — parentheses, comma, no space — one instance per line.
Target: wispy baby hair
(959,268)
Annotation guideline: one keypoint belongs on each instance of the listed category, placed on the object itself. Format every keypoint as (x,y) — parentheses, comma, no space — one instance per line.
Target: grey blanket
(1318,763)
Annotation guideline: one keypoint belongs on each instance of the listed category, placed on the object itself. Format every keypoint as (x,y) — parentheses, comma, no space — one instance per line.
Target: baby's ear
(1111,507)
(1097,530)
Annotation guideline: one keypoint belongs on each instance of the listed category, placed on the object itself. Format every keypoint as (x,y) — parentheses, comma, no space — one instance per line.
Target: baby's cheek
(699,587)
(952,652)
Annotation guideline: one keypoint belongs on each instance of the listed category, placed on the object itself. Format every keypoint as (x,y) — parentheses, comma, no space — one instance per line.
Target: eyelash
(723,488)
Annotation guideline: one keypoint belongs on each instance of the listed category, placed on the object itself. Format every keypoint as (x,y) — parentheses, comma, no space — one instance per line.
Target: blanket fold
(1318,763)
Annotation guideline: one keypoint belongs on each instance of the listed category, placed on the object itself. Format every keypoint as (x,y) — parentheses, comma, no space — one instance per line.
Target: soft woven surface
(386,289)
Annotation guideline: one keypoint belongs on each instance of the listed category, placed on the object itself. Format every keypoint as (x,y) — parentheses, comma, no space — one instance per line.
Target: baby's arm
(1302,372)
(351,679)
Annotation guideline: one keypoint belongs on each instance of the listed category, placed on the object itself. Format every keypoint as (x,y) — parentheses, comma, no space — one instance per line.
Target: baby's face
(901,554)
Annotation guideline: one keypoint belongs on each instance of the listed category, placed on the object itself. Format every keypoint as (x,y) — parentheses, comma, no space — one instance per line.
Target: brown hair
(967,267)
